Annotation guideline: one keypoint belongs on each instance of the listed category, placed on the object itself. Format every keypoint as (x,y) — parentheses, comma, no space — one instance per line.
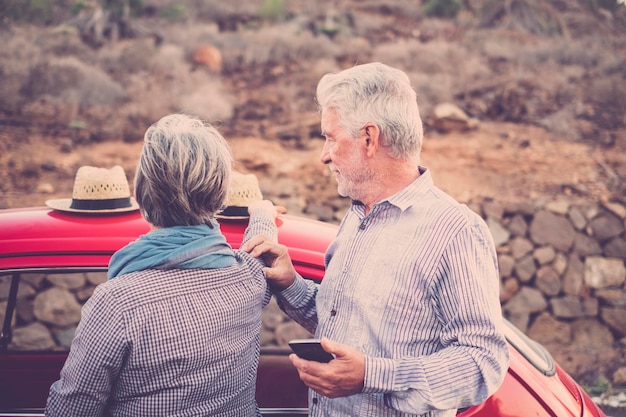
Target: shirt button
(314,400)
(362,226)
(333,312)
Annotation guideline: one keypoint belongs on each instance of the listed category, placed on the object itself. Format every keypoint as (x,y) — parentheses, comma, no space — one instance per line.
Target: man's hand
(341,377)
(279,272)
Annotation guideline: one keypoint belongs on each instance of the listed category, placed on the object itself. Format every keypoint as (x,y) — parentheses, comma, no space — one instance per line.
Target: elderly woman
(176,332)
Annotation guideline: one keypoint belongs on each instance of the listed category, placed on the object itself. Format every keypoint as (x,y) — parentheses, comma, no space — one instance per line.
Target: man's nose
(325,156)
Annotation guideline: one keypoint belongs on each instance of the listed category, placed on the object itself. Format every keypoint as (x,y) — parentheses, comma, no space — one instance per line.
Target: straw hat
(98,190)
(244,189)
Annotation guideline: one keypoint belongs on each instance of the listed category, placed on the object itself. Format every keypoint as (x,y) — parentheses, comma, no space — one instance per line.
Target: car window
(536,354)
(46,306)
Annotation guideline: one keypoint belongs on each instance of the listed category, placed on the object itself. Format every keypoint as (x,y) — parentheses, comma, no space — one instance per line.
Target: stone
(544,255)
(619,376)
(64,336)
(524,208)
(606,226)
(448,117)
(499,233)
(551,229)
(57,307)
(616,208)
(23,290)
(604,272)
(96,278)
(518,226)
(615,319)
(267,337)
(68,281)
(568,307)
(273,315)
(615,248)
(574,276)
(84,293)
(520,321)
(506,264)
(520,247)
(507,289)
(290,330)
(3,310)
(578,219)
(525,269)
(591,211)
(589,332)
(208,56)
(612,297)
(493,210)
(586,246)
(558,207)
(560,263)
(34,336)
(591,307)
(527,300)
(25,310)
(548,281)
(34,280)
(545,329)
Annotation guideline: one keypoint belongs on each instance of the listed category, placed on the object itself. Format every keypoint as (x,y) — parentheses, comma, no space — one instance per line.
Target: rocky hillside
(543,84)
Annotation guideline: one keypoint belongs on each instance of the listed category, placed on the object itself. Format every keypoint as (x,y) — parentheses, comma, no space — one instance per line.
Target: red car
(40,246)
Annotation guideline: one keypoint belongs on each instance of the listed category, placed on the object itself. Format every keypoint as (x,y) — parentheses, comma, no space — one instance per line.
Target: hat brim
(64,204)
(233,213)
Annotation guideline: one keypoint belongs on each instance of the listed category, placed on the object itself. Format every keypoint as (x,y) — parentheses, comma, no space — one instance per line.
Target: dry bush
(412,10)
(60,75)
(171,86)
(192,35)
(272,45)
(438,69)
(18,55)
(123,58)
(608,94)
(64,41)
(205,97)
(586,52)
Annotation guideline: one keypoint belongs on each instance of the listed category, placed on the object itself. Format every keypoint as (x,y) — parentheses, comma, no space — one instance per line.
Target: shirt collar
(406,197)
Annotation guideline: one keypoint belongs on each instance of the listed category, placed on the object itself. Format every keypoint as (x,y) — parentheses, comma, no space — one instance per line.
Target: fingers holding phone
(311,350)
(337,374)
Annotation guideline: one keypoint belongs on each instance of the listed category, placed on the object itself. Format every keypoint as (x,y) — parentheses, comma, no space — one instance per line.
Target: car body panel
(40,239)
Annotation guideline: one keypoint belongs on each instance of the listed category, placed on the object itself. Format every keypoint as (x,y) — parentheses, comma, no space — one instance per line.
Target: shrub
(443,8)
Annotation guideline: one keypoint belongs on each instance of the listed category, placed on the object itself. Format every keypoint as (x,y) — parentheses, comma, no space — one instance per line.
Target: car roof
(42,237)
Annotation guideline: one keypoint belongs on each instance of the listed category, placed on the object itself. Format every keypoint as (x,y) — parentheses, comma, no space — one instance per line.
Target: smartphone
(311,350)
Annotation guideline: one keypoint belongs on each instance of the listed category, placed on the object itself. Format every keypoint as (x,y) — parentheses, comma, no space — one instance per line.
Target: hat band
(234,211)
(111,203)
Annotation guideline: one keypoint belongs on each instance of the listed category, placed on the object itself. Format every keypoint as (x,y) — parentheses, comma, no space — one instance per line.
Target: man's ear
(372,138)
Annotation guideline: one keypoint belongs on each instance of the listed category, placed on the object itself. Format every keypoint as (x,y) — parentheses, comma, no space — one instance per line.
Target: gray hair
(379,94)
(183,173)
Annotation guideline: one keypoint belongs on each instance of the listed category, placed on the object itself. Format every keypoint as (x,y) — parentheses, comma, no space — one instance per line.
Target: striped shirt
(179,342)
(413,285)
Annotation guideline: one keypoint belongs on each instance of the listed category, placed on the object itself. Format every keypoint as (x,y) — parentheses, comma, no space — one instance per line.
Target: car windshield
(531,350)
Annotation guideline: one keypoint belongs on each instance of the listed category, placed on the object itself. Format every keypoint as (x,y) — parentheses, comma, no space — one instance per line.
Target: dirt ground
(504,162)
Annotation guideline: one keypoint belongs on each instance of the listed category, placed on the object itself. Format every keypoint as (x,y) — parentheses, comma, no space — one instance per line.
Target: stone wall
(562,277)
(562,269)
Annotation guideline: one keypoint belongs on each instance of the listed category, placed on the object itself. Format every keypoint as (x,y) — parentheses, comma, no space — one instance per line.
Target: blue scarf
(174,247)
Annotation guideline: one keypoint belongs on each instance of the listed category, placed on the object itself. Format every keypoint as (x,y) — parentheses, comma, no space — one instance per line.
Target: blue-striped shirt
(413,285)
(178,342)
